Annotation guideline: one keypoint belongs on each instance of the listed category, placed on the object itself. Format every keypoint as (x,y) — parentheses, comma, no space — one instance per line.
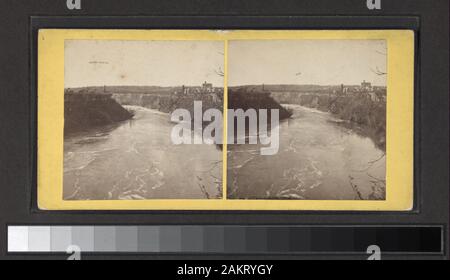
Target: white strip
(17,239)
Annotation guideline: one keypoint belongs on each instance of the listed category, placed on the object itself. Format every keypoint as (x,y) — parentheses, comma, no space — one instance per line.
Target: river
(320,158)
(136,160)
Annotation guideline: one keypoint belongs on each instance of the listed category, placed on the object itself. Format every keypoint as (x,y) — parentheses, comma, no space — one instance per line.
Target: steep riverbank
(360,112)
(87,111)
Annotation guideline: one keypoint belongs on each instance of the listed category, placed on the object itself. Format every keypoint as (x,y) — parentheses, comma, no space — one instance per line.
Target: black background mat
(21,19)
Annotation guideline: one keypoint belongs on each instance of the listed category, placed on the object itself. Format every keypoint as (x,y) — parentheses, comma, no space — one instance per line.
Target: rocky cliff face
(86,111)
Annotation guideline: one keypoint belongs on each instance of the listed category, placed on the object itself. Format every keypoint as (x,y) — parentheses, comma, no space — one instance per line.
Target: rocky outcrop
(86,111)
(242,99)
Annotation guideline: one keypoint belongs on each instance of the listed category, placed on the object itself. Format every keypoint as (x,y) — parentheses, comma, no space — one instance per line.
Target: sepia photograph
(119,99)
(238,120)
(327,122)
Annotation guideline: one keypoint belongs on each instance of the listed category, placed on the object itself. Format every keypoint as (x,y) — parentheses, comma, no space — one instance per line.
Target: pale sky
(142,63)
(318,62)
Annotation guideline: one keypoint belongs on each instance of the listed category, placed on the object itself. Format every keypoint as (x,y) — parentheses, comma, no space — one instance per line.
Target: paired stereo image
(235,120)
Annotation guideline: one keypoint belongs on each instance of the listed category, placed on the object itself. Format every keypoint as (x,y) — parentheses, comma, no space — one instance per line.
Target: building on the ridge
(207,87)
(366,86)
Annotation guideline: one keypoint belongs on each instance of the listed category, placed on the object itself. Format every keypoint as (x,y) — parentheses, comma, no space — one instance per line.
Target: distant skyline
(143,63)
(307,62)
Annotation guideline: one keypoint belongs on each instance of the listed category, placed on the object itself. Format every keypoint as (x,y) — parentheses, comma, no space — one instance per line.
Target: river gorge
(321,157)
(135,160)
